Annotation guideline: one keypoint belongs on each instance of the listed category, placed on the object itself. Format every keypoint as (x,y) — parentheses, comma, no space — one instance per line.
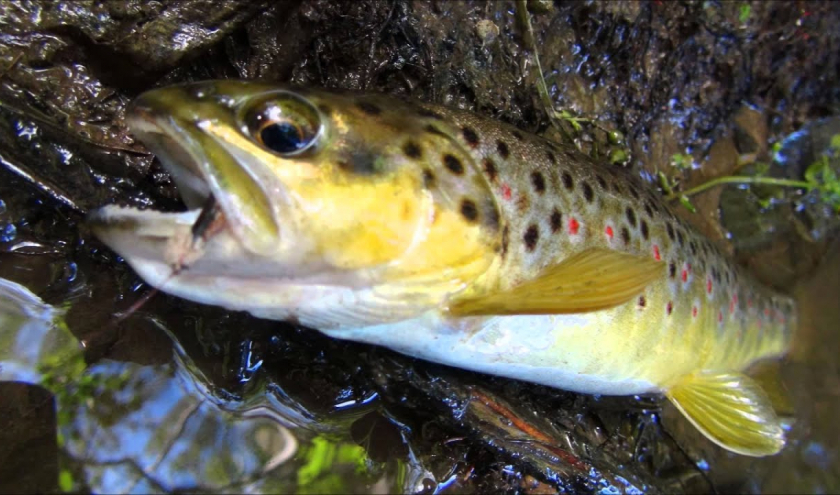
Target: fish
(452,238)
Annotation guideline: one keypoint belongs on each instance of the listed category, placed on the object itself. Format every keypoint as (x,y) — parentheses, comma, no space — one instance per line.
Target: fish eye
(284,124)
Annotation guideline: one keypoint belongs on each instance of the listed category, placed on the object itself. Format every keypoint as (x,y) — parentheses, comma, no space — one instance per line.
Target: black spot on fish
(642,301)
(518,135)
(602,183)
(670,229)
(360,163)
(568,182)
(423,112)
(505,240)
(490,169)
(616,187)
(693,246)
(538,181)
(368,107)
(434,130)
(491,215)
(453,164)
(412,150)
(588,193)
(551,157)
(468,210)
(503,149)
(644,229)
(556,221)
(625,235)
(470,136)
(672,269)
(532,235)
(634,191)
(648,210)
(428,178)
(680,238)
(631,216)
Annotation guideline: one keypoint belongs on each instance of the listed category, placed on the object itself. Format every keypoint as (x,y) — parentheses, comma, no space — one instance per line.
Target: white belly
(526,348)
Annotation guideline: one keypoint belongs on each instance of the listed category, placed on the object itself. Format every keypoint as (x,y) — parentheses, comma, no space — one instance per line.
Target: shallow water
(181,397)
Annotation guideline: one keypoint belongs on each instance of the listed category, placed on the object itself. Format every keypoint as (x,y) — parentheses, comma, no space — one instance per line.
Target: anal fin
(591,280)
(731,410)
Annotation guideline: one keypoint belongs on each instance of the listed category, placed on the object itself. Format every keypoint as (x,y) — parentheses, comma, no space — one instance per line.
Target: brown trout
(452,238)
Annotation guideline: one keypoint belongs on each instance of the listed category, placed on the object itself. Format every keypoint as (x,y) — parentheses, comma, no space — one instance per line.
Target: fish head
(303,188)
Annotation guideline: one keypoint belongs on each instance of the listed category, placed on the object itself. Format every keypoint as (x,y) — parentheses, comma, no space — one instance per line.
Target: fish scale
(721,317)
(453,238)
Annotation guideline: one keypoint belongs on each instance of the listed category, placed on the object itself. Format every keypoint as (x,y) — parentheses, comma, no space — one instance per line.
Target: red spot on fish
(709,286)
(732,306)
(609,231)
(694,311)
(506,193)
(685,275)
(574,226)
(670,307)
(656,255)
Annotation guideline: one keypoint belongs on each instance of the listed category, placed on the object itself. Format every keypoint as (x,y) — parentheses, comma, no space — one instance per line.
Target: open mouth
(164,238)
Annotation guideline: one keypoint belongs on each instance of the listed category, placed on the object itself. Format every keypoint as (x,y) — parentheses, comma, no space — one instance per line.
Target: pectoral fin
(592,280)
(731,410)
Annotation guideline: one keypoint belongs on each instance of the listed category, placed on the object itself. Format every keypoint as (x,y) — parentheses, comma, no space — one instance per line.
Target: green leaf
(65,481)
(744,13)
(681,161)
(687,204)
(665,183)
(618,156)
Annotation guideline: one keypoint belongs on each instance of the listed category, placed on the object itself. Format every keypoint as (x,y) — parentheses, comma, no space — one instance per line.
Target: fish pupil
(282,137)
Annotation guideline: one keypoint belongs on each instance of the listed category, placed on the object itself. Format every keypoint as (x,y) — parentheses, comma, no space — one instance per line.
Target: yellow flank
(458,239)
(361,224)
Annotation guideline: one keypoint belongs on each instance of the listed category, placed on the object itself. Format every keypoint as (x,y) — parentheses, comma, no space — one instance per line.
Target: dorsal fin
(731,410)
(591,280)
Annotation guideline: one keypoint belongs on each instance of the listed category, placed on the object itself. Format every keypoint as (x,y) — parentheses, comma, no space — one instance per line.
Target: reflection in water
(130,428)
(32,336)
(149,425)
